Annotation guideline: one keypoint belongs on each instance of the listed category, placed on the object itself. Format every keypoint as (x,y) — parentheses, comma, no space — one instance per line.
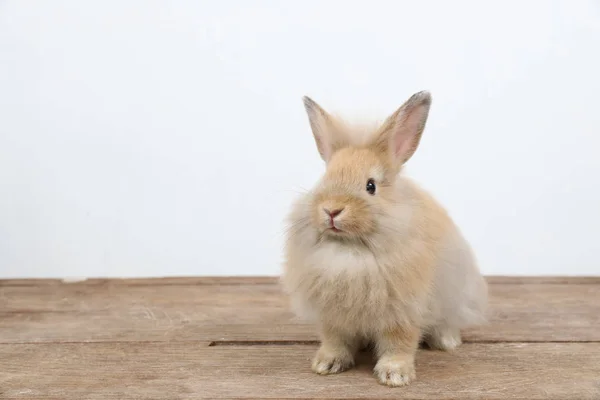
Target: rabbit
(372,258)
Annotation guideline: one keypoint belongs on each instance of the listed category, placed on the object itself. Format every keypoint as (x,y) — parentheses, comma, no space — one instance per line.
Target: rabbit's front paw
(328,362)
(393,371)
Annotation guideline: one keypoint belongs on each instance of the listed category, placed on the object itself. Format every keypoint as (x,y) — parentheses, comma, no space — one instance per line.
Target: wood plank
(566,280)
(83,296)
(167,281)
(105,311)
(193,370)
(250,280)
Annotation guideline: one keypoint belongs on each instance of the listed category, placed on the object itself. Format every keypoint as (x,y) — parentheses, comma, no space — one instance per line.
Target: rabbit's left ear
(400,134)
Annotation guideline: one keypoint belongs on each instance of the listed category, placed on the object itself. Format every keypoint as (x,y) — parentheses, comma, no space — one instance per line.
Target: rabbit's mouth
(332,226)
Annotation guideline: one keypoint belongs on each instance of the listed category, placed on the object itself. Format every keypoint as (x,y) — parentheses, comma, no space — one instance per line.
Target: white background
(152,138)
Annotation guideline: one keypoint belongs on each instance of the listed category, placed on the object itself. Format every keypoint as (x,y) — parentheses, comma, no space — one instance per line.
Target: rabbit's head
(357,189)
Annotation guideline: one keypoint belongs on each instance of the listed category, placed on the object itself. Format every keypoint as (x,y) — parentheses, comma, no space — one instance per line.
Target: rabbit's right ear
(323,128)
(400,134)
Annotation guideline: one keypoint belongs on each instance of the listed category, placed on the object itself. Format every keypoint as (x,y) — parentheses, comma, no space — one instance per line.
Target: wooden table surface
(234,338)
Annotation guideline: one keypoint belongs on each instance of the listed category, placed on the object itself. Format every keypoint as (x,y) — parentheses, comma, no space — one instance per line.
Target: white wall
(168,138)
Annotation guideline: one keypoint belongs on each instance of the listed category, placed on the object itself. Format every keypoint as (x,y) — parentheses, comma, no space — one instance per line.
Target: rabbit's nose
(333,213)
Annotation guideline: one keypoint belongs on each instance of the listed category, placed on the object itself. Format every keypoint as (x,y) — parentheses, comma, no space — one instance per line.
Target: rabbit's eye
(371,186)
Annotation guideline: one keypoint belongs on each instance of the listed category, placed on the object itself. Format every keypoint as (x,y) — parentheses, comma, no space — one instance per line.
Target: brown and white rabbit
(371,257)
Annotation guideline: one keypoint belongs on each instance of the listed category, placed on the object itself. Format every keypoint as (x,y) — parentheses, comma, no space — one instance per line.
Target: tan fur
(398,271)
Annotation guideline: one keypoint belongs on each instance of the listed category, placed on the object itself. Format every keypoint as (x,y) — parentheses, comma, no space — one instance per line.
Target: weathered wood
(190,338)
(107,310)
(169,281)
(196,371)
(251,280)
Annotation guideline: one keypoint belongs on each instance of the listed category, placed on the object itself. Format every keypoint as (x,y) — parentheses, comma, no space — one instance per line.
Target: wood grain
(234,338)
(195,371)
(251,280)
(205,309)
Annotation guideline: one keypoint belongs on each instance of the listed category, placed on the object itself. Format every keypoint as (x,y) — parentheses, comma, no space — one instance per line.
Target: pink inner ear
(406,129)
(401,141)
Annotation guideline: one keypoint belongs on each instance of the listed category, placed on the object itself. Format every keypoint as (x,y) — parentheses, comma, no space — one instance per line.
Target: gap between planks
(250,343)
(268,343)
(262,280)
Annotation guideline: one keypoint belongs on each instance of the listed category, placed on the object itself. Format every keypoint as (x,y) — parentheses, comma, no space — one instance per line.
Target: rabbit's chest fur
(351,289)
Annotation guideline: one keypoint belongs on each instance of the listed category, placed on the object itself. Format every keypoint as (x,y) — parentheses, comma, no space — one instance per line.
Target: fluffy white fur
(398,270)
